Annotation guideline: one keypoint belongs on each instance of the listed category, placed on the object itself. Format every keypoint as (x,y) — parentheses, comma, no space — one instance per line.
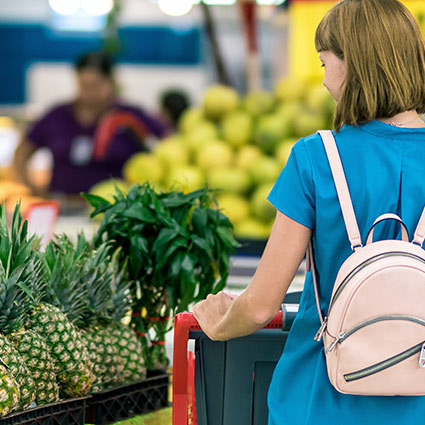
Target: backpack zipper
(344,335)
(362,266)
(379,367)
(322,329)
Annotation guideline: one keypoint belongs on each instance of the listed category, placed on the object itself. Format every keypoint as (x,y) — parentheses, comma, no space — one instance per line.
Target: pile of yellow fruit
(12,192)
(238,145)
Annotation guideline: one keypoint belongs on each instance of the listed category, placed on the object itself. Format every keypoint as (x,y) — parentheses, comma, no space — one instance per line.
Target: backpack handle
(384,217)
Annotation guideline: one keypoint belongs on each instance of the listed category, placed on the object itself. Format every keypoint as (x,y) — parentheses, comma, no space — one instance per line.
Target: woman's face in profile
(94,89)
(335,72)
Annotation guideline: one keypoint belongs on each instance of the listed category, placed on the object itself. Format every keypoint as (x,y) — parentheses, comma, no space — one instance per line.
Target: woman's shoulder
(348,134)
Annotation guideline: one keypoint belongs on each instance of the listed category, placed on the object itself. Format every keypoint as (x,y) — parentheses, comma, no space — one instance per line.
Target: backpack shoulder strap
(341,188)
(347,213)
(419,236)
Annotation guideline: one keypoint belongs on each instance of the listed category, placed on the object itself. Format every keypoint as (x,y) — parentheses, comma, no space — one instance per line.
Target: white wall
(48,83)
(24,10)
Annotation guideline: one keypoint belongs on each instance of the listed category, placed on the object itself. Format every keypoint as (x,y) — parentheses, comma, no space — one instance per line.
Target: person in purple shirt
(90,137)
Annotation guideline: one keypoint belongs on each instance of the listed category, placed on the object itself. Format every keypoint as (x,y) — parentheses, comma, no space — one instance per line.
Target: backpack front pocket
(385,364)
(362,357)
(344,335)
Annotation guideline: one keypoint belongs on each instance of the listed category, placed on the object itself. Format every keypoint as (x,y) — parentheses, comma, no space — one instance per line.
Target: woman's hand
(210,311)
(223,318)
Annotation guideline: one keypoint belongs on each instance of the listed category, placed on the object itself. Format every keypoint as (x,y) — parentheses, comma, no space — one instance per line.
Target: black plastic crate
(251,247)
(68,412)
(129,400)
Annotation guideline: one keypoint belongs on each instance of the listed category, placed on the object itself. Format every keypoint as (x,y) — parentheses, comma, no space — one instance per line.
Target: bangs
(322,38)
(329,33)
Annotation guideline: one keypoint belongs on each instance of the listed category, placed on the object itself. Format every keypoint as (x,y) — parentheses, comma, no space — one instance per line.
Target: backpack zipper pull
(422,356)
(322,328)
(340,338)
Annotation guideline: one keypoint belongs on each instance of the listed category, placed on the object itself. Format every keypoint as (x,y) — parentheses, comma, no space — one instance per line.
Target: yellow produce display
(106,189)
(9,188)
(144,167)
(238,145)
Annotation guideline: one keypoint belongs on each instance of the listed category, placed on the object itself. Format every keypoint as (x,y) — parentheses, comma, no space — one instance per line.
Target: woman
(91,137)
(374,59)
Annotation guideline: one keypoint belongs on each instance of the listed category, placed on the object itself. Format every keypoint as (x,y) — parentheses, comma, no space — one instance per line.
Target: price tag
(42,218)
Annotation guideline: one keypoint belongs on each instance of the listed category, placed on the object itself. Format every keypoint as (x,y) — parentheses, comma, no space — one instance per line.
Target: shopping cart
(226,383)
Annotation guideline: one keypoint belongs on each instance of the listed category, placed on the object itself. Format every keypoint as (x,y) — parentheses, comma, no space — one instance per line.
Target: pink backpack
(374,332)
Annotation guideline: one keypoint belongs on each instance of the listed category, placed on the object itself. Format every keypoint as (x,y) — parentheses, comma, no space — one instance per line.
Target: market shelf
(129,400)
(69,412)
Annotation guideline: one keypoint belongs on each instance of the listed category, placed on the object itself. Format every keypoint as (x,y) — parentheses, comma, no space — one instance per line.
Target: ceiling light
(270,2)
(97,7)
(175,7)
(65,7)
(219,2)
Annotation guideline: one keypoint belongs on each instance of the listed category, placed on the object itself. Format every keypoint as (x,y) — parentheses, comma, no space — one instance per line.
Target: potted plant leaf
(174,249)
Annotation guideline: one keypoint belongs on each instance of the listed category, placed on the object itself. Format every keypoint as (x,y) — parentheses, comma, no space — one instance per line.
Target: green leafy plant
(174,249)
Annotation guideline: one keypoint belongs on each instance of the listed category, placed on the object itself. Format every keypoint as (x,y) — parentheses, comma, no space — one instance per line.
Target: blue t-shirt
(384,167)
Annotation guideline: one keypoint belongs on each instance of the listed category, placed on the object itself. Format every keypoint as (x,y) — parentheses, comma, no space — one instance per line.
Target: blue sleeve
(293,194)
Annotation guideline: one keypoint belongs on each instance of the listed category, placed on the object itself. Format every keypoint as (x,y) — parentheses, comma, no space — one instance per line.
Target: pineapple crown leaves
(16,248)
(80,280)
(36,287)
(20,272)
(108,295)
(14,300)
(174,245)
(121,300)
(99,301)
(65,276)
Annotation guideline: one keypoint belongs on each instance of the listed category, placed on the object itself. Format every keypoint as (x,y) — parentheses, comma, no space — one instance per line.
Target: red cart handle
(183,324)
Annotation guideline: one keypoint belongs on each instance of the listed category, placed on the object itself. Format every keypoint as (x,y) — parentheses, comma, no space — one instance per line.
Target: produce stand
(126,401)
(230,378)
(146,397)
(159,417)
(69,412)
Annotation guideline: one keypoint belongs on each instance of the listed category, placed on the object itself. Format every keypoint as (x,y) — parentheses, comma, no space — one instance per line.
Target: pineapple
(107,364)
(9,392)
(115,349)
(129,347)
(66,347)
(32,368)
(12,311)
(19,370)
(130,350)
(56,319)
(40,363)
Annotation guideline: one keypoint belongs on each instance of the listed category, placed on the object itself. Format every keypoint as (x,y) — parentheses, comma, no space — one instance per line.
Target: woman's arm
(222,318)
(23,154)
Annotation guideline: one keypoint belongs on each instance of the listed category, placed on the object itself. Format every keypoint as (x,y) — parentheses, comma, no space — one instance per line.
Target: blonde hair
(384,52)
